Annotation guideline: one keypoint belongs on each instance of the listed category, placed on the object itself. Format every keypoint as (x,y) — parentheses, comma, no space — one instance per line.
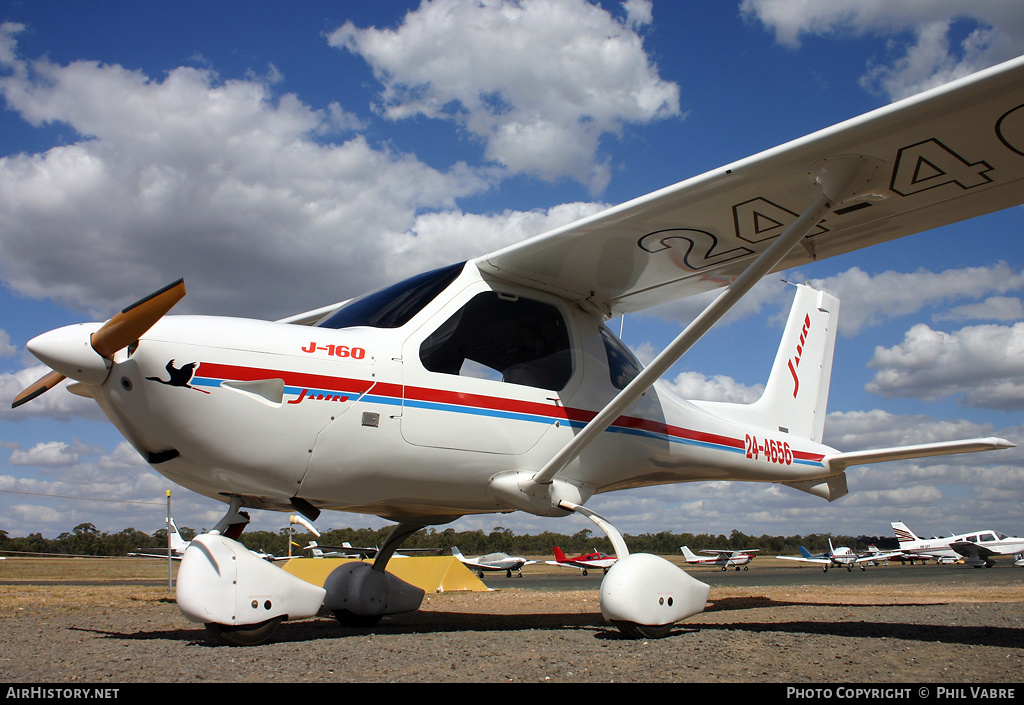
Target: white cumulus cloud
(538,82)
(950,38)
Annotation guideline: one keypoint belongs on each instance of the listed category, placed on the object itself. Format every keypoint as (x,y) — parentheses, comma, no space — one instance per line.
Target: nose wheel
(643,631)
(244,634)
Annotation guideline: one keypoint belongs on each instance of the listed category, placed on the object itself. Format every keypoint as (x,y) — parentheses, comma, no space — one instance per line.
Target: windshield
(395,305)
(622,364)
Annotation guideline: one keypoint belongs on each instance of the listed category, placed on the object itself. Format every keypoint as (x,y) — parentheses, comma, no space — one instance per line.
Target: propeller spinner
(83,352)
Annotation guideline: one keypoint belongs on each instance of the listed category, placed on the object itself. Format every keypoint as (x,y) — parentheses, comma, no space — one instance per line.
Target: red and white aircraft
(723,557)
(374,405)
(584,562)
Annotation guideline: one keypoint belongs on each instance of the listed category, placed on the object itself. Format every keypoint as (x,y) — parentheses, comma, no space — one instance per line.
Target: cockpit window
(622,364)
(395,305)
(504,337)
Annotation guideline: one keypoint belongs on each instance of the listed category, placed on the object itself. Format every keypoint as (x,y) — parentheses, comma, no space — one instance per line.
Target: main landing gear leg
(360,594)
(240,597)
(642,594)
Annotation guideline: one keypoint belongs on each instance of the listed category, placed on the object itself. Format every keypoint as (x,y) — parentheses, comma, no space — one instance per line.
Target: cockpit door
(489,370)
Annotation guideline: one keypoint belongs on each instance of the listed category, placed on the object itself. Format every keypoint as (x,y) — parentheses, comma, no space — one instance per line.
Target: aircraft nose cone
(68,351)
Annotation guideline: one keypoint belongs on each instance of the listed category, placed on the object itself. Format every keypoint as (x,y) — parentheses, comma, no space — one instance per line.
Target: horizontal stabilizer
(830,488)
(841,461)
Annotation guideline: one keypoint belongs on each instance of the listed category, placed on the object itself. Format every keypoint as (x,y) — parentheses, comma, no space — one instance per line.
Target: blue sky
(289,156)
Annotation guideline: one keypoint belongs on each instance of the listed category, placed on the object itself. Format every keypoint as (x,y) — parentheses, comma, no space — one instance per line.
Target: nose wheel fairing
(222,582)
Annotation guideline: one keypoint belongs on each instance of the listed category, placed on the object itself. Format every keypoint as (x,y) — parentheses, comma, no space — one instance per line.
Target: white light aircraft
(493,562)
(585,561)
(723,557)
(975,548)
(347,550)
(900,556)
(177,546)
(370,405)
(841,556)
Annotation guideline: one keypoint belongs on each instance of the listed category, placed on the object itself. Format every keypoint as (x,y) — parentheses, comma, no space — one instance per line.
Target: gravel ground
(104,634)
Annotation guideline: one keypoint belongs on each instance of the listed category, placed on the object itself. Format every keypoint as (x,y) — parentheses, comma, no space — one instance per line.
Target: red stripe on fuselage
(465,399)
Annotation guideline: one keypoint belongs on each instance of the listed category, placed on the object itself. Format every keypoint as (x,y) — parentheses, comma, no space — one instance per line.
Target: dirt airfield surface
(110,622)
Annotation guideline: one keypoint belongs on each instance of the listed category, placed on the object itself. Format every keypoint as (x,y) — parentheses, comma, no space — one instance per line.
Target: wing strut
(758,269)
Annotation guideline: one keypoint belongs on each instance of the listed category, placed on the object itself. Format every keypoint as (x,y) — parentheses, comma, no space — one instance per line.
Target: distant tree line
(87,540)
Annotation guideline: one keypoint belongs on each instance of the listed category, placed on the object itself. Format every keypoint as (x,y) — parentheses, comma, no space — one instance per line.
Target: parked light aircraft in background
(343,551)
(176,546)
(371,406)
(347,550)
(841,556)
(904,558)
(493,562)
(725,558)
(584,562)
(976,548)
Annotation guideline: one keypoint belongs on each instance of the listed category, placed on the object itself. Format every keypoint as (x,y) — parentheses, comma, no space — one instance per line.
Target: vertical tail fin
(559,556)
(178,544)
(687,553)
(796,394)
(904,534)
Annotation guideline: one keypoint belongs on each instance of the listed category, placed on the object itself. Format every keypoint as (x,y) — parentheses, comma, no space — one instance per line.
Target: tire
(644,631)
(348,619)
(244,634)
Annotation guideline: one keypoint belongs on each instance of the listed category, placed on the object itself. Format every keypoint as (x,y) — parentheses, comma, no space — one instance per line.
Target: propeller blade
(46,382)
(119,332)
(130,324)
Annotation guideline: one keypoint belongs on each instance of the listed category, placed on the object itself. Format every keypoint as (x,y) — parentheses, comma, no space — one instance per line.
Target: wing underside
(940,157)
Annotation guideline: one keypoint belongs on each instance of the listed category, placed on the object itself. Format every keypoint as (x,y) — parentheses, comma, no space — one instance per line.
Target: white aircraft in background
(841,556)
(347,550)
(976,548)
(373,405)
(902,557)
(177,546)
(493,562)
(725,558)
(584,562)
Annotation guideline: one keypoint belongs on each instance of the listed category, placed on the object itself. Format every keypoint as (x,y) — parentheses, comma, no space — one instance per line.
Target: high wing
(867,558)
(364,551)
(946,155)
(156,554)
(726,552)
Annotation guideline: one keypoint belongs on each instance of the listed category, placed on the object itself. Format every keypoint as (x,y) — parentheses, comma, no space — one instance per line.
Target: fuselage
(411,413)
(940,547)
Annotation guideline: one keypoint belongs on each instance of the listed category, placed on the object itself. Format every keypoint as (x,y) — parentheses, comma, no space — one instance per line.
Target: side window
(622,364)
(503,337)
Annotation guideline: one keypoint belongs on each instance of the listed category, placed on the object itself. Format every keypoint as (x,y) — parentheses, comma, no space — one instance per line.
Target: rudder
(796,395)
